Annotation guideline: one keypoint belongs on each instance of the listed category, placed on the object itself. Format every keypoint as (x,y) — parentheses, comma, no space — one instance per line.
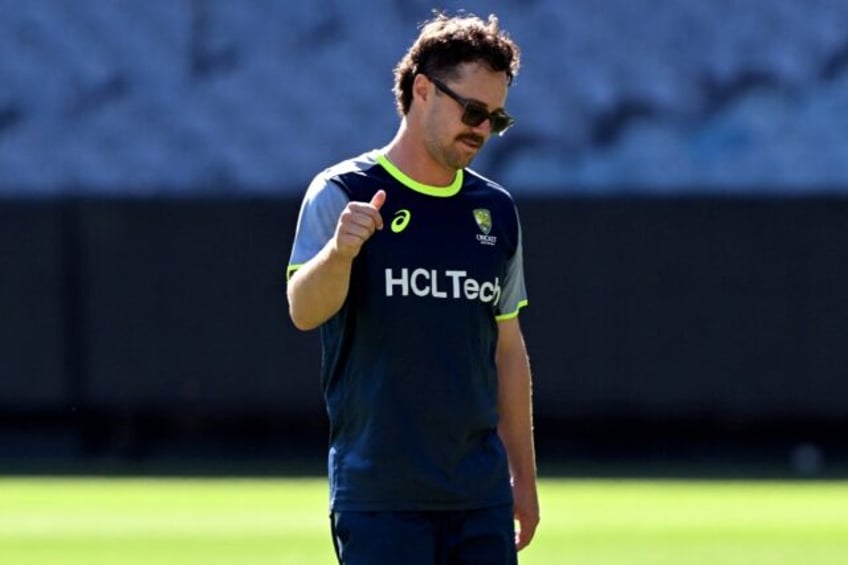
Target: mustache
(475,139)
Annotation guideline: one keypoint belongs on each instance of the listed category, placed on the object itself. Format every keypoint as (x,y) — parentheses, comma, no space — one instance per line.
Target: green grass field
(231,521)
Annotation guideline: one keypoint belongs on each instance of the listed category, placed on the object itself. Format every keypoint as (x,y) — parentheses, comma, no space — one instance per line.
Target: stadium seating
(655,97)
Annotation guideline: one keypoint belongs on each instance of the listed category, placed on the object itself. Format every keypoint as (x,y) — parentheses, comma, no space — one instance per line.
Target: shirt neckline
(430,190)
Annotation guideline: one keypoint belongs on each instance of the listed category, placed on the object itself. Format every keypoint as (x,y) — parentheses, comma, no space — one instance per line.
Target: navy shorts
(479,537)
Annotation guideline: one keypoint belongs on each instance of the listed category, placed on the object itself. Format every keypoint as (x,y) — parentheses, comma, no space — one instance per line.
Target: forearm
(516,415)
(317,290)
(516,428)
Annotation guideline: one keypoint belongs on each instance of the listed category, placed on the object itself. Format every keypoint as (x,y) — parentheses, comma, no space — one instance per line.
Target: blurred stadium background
(681,169)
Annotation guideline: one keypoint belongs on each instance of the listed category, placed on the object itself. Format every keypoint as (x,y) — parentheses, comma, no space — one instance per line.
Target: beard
(454,153)
(458,155)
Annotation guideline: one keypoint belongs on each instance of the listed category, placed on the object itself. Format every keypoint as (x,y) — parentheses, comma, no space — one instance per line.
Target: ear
(420,87)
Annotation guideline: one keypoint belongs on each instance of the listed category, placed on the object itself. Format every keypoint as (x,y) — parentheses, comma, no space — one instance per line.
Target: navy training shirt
(408,367)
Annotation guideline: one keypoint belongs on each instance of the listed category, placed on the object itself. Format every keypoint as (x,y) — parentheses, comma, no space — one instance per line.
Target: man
(411,265)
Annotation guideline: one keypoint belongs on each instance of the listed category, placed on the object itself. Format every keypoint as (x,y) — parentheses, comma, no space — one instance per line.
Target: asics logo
(401,220)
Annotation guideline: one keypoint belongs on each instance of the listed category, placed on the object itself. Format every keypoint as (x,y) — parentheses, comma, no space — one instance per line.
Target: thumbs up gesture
(357,223)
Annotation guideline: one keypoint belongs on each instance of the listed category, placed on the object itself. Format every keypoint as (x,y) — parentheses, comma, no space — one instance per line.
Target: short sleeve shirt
(408,362)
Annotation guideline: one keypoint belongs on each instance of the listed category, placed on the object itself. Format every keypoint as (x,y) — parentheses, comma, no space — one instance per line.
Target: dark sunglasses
(474,113)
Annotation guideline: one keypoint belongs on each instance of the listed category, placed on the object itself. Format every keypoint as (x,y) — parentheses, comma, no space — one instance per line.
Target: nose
(484,129)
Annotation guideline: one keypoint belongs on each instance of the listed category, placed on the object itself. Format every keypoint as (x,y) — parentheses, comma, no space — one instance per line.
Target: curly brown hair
(446,42)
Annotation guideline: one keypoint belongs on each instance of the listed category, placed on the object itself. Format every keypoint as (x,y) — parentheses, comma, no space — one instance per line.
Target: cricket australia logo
(484,221)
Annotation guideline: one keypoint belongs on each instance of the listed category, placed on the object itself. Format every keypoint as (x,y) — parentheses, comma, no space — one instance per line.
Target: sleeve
(513,291)
(316,223)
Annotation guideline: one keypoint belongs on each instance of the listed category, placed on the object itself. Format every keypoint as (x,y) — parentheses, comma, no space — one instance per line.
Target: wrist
(338,256)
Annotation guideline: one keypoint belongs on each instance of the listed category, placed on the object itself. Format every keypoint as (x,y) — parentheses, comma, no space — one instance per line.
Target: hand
(357,223)
(526,511)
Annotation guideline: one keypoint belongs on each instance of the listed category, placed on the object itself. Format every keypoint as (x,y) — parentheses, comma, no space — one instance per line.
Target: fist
(357,223)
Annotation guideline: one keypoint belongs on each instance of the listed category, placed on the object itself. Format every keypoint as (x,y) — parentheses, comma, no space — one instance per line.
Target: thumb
(378,199)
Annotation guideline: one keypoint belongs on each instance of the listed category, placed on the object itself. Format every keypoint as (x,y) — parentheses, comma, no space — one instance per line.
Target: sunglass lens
(498,124)
(474,115)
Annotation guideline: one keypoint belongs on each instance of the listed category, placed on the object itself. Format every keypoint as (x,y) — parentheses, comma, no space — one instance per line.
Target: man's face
(450,141)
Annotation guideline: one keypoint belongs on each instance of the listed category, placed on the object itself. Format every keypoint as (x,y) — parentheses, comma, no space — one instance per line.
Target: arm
(317,290)
(516,425)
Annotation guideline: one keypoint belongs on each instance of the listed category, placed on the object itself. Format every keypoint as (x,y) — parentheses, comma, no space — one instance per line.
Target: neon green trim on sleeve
(513,314)
(291,269)
(429,190)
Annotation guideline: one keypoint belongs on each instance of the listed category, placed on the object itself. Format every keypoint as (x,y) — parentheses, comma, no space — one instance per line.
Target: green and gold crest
(484,220)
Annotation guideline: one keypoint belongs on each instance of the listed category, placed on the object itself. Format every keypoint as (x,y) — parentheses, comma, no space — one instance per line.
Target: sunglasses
(475,113)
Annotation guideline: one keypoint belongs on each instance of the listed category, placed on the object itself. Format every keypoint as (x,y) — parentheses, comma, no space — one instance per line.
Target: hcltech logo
(401,220)
(484,221)
(447,284)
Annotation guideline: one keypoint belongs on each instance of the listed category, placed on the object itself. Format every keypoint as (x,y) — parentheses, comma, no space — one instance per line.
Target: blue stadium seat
(654,96)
